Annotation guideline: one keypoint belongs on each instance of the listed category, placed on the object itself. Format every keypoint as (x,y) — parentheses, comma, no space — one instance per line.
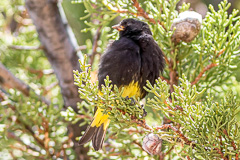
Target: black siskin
(129,62)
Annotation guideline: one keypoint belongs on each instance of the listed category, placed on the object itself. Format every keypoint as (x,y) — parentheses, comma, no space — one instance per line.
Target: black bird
(129,62)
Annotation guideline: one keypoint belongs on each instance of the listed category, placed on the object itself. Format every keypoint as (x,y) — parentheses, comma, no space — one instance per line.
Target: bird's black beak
(118,27)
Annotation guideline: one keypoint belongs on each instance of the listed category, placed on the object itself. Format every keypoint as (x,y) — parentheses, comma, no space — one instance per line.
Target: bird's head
(132,28)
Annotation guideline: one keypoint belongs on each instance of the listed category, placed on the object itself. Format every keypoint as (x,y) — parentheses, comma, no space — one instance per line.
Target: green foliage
(30,128)
(208,124)
(218,44)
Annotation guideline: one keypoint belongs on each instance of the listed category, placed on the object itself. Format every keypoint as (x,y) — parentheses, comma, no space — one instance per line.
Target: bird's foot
(144,111)
(132,101)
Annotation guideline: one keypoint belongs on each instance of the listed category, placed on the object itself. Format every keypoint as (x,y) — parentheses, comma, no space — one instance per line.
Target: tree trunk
(61,53)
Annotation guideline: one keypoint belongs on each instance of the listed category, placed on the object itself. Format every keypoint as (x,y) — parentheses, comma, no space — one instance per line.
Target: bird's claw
(132,101)
(144,111)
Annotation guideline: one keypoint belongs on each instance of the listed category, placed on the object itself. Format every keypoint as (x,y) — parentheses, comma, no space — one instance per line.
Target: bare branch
(26,47)
(39,72)
(8,80)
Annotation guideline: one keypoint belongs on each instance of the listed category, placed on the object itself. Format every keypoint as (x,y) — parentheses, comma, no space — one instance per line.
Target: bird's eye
(128,24)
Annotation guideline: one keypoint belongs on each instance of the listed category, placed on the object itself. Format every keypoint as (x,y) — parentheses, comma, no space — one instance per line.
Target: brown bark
(8,80)
(61,54)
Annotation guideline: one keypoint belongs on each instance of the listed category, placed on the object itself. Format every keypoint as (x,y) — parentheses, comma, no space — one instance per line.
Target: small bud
(152,144)
(188,25)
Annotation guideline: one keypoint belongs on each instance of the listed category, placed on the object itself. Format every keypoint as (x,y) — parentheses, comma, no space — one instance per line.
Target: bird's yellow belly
(131,90)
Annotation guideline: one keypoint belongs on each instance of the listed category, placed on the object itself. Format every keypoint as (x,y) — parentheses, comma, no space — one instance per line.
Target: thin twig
(84,116)
(180,155)
(166,59)
(79,48)
(16,47)
(39,72)
(50,87)
(13,136)
(185,139)
(143,13)
(232,143)
(202,72)
(121,11)
(169,151)
(138,144)
(165,79)
(142,123)
(173,76)
(95,45)
(220,52)
(139,122)
(207,68)
(131,131)
(220,152)
(140,12)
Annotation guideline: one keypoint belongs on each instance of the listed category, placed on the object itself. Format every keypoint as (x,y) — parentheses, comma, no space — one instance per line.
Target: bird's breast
(131,90)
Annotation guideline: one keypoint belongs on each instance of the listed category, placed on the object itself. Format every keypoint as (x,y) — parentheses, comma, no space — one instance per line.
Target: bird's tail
(96,131)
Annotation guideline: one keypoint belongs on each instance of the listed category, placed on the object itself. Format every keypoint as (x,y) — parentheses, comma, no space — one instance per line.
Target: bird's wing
(152,60)
(121,62)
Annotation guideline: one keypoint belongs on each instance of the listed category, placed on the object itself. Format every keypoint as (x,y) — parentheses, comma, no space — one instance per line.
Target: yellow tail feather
(99,119)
